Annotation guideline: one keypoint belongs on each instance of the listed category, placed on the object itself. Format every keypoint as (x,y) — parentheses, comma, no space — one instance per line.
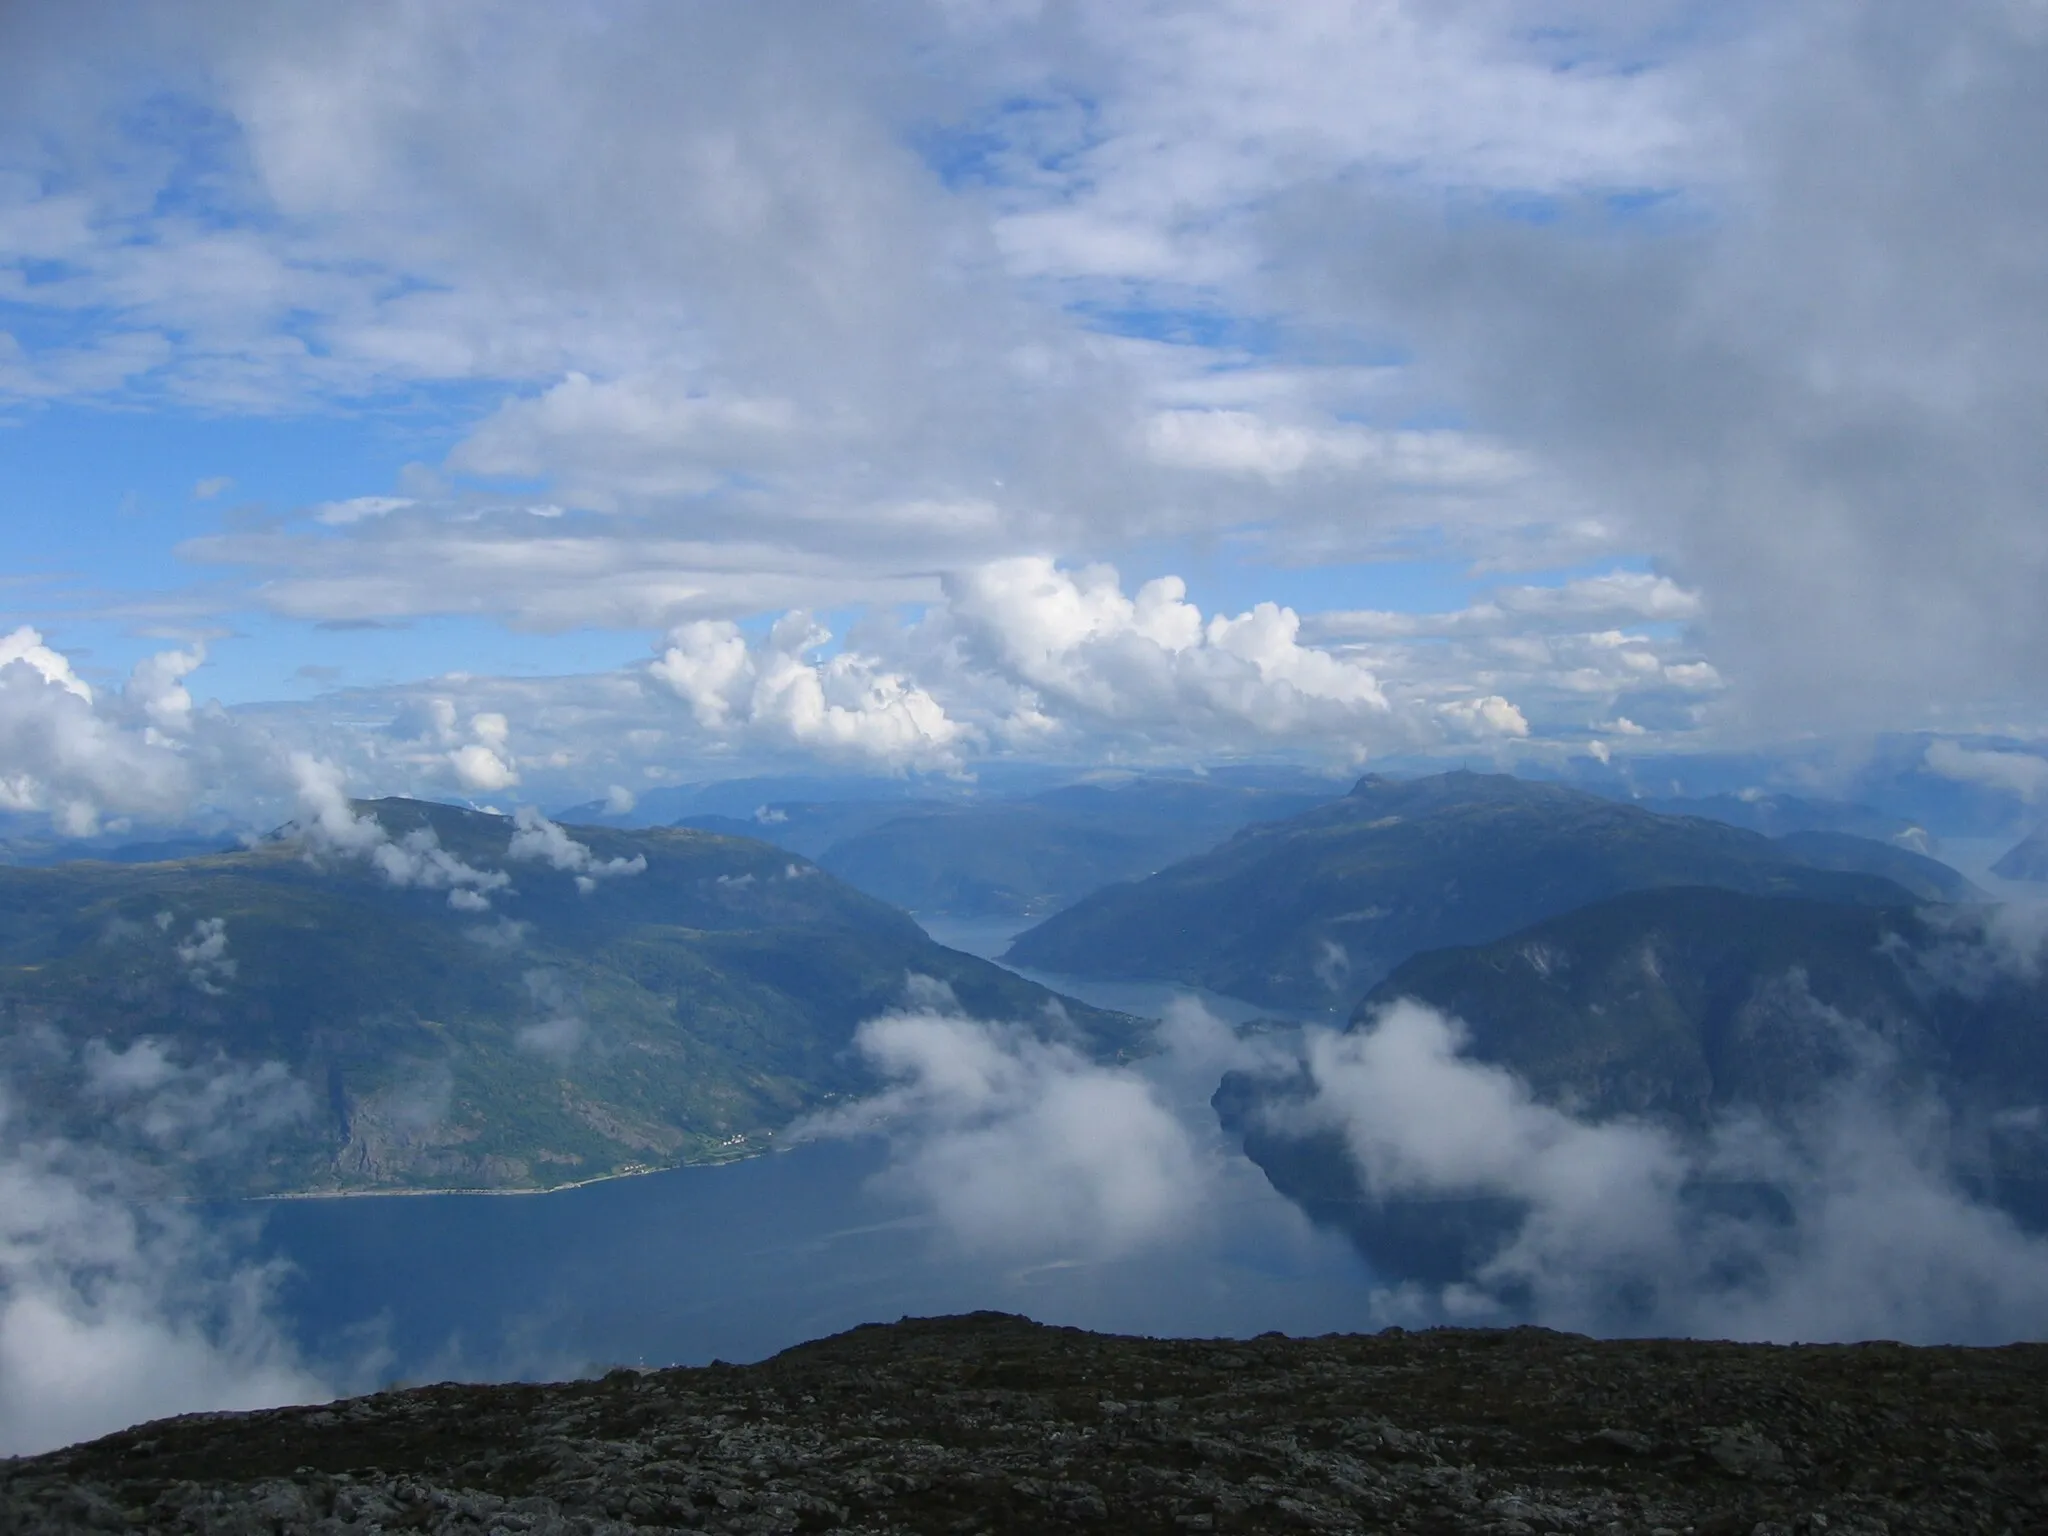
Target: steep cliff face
(993,1423)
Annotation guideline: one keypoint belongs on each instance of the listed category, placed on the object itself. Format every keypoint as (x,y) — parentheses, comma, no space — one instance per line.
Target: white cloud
(339,514)
(2019,773)
(1077,652)
(26,646)
(204,954)
(479,768)
(330,824)
(1882,1242)
(83,758)
(805,366)
(844,708)
(1017,1142)
(208,1109)
(1484,719)
(535,837)
(156,690)
(477,758)
(113,1311)
(610,440)
(929,290)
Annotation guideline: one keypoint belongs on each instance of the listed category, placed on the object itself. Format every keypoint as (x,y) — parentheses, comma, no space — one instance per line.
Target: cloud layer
(1022,1147)
(945,287)
(1876,1238)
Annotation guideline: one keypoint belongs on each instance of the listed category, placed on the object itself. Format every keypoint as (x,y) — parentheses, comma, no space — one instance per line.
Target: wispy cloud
(114,1310)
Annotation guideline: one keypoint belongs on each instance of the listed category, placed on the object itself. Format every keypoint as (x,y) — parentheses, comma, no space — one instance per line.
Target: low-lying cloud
(1017,1141)
(1847,1221)
(1865,1230)
(416,859)
(211,1109)
(535,837)
(114,1311)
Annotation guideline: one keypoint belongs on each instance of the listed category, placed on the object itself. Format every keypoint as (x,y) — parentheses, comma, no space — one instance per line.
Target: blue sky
(647,394)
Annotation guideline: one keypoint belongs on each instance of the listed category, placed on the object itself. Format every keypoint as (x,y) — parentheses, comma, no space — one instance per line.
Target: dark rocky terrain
(992,1423)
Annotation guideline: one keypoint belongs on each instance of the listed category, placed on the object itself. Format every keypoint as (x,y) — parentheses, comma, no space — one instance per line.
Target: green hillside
(279,1019)
(1309,913)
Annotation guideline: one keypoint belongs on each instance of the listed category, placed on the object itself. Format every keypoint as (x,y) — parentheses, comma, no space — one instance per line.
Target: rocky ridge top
(994,1423)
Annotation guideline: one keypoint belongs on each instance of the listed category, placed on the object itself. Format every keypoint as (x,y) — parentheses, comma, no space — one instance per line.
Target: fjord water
(738,1261)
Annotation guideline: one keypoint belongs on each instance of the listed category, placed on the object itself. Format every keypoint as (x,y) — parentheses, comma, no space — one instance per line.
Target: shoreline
(408,1194)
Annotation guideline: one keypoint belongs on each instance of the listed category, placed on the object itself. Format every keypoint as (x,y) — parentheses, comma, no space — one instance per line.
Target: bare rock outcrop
(993,1423)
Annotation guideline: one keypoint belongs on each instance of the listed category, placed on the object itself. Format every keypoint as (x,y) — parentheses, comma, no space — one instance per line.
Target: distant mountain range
(283,1018)
(1020,855)
(1311,912)
(1680,1006)
(1777,815)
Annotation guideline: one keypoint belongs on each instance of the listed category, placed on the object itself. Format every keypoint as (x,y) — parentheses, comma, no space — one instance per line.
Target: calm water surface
(739,1261)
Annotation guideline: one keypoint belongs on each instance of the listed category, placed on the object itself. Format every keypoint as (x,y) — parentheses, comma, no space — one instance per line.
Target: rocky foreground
(993,1423)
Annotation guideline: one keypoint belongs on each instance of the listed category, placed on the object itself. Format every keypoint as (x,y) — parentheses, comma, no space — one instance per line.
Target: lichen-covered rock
(993,1423)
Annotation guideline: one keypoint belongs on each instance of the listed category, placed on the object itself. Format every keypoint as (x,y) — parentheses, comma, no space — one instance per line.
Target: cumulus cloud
(1028,656)
(1074,635)
(83,758)
(476,756)
(1875,1237)
(844,707)
(156,692)
(1487,718)
(26,646)
(114,1311)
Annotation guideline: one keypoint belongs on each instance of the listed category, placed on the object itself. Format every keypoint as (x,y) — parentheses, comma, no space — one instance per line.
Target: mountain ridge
(285,1018)
(1685,1008)
(1310,912)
